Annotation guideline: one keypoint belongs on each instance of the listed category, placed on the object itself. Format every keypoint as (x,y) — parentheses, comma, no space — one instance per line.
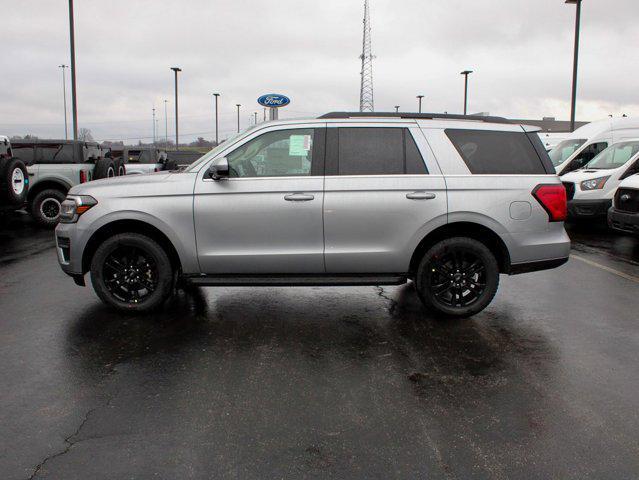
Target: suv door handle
(420,196)
(298,197)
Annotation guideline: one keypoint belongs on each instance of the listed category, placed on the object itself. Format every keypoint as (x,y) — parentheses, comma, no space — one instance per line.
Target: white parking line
(627,276)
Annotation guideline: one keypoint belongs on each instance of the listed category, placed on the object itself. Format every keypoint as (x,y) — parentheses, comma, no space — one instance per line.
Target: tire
(45,207)
(104,168)
(14,182)
(120,167)
(457,277)
(170,165)
(125,267)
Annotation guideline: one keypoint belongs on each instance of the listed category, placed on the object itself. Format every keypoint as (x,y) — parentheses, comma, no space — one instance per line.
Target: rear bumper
(588,208)
(623,221)
(517,268)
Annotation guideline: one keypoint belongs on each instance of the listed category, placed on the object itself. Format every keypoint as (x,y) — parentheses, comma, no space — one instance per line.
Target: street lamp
(216,139)
(238,105)
(465,73)
(177,142)
(419,97)
(573,101)
(64,97)
(396,108)
(74,104)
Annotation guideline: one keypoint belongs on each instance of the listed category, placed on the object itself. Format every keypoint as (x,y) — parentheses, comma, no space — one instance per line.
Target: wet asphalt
(321,382)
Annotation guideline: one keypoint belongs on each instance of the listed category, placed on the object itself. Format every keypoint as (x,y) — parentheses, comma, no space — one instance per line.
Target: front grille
(627,200)
(570,190)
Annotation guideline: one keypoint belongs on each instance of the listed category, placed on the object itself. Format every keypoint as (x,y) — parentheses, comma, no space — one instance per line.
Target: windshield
(560,153)
(225,143)
(614,156)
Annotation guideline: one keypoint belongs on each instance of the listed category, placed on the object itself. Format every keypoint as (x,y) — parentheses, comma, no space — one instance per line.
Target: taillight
(553,199)
(83,176)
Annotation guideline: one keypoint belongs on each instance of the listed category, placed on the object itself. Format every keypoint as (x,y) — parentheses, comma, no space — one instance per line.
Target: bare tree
(84,135)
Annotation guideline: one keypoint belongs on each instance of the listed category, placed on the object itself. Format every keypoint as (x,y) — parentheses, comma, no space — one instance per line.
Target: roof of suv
(414,116)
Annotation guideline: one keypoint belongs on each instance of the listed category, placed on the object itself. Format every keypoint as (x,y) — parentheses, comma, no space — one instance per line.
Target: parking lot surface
(321,382)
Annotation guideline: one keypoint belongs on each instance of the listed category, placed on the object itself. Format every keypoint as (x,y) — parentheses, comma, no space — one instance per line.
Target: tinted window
(496,153)
(414,161)
(47,153)
(23,152)
(274,154)
(560,153)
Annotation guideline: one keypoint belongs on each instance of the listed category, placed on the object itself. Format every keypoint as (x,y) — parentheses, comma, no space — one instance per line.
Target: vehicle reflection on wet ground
(321,382)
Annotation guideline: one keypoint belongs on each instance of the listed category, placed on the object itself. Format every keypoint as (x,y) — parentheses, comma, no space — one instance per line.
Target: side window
(587,154)
(47,153)
(414,161)
(23,152)
(280,153)
(378,151)
(65,155)
(496,152)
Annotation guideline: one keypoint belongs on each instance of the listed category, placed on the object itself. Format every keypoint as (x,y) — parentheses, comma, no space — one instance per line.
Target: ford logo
(273,100)
(625,197)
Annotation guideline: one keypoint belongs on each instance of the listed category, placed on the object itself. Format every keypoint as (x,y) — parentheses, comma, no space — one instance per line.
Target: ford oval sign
(273,100)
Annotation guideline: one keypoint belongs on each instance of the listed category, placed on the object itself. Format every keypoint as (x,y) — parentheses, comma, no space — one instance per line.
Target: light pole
(166,126)
(573,100)
(64,97)
(419,97)
(238,105)
(74,104)
(177,137)
(465,73)
(216,124)
(396,108)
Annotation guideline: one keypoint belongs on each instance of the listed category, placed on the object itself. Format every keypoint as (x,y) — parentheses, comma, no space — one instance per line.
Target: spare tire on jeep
(14,182)
(104,168)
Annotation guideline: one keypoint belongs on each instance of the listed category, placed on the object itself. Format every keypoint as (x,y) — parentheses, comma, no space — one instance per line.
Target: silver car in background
(447,201)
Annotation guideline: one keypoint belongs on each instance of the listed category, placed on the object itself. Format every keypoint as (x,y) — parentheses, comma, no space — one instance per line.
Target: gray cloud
(521,51)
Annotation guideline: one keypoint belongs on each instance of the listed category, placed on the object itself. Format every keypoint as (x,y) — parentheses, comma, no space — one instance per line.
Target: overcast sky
(520,50)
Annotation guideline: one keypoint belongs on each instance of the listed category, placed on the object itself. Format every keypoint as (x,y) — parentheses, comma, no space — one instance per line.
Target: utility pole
(419,97)
(366,103)
(166,126)
(64,97)
(74,103)
(465,73)
(216,124)
(154,125)
(177,137)
(396,108)
(573,100)
(238,105)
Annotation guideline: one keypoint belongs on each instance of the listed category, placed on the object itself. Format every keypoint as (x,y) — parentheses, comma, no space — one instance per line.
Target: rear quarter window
(492,152)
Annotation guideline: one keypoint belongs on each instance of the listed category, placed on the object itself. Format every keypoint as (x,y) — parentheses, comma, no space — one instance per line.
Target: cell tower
(366,89)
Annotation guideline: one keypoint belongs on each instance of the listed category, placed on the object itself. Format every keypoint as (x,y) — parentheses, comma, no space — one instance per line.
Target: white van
(552,139)
(590,190)
(588,141)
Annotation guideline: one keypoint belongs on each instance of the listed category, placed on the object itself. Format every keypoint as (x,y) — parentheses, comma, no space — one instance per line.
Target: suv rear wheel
(457,277)
(104,168)
(132,272)
(46,205)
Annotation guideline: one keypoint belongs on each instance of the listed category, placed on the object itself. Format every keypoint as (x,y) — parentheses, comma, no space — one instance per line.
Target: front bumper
(623,221)
(588,208)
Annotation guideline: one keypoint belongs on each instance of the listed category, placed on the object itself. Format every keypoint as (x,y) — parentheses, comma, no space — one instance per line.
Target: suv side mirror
(219,169)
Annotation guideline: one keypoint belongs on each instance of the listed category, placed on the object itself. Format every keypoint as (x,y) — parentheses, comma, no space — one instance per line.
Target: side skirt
(295,280)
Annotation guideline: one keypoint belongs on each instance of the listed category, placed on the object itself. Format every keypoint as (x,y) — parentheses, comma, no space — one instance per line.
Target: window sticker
(299,145)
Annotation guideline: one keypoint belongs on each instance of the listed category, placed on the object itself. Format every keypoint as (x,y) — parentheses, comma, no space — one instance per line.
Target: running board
(295,280)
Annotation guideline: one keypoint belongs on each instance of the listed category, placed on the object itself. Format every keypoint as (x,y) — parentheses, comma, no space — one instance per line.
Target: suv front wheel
(46,206)
(132,272)
(457,277)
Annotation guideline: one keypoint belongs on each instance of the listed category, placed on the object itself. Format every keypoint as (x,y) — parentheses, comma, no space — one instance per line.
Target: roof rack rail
(416,116)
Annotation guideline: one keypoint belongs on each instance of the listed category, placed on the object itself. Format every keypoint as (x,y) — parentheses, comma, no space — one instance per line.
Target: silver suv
(447,201)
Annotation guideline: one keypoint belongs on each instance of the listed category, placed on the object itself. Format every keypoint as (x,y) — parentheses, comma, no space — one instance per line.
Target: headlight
(74,206)
(594,184)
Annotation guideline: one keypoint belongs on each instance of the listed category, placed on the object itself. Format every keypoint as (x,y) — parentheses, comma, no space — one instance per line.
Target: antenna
(366,88)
